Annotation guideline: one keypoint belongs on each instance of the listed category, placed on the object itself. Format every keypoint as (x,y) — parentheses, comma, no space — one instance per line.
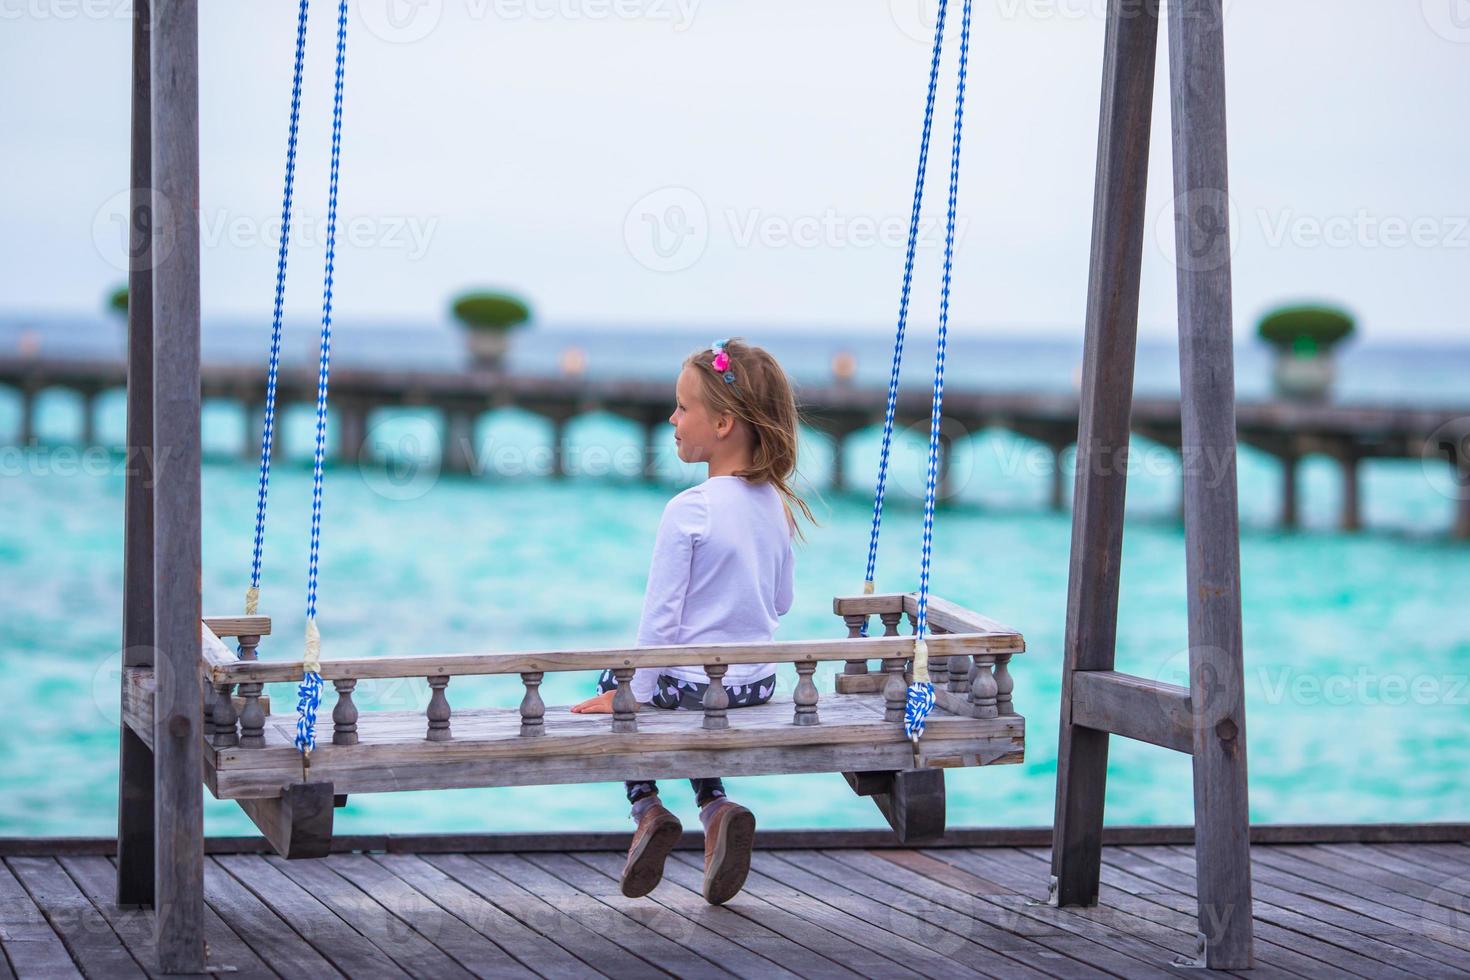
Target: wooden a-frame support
(1207,719)
(160,837)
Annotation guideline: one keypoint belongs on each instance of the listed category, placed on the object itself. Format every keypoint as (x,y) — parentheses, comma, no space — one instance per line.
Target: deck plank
(361,910)
(984,900)
(597,951)
(348,950)
(96,876)
(1169,921)
(1137,893)
(264,933)
(1374,892)
(851,955)
(673,926)
(89,938)
(625,929)
(1106,924)
(1438,864)
(529,948)
(29,942)
(978,940)
(1409,938)
(836,889)
(1122,869)
(468,948)
(823,904)
(765,941)
(1327,922)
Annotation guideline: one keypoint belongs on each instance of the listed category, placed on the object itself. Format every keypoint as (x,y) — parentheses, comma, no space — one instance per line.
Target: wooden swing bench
(250,757)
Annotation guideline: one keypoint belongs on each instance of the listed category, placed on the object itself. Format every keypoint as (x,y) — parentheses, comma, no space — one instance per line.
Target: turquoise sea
(1357,648)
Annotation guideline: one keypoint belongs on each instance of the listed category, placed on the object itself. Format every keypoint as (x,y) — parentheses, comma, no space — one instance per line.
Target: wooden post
(1461,463)
(135,759)
(839,461)
(1352,518)
(1118,224)
(459,439)
(1211,509)
(89,418)
(558,447)
(1214,701)
(1058,478)
(351,430)
(27,415)
(177,739)
(1290,510)
(650,449)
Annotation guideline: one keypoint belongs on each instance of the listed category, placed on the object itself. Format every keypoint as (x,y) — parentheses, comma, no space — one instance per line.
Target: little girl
(721,573)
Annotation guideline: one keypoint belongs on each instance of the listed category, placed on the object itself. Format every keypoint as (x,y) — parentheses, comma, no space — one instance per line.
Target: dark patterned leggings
(673,693)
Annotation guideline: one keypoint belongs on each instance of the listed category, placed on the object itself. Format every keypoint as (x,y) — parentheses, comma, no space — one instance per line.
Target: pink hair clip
(721,361)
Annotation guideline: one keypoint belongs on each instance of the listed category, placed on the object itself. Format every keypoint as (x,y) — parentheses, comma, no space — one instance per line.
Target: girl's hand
(600,705)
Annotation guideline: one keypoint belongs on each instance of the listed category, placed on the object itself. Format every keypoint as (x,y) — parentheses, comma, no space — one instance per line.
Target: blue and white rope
(309,694)
(903,305)
(267,436)
(921,693)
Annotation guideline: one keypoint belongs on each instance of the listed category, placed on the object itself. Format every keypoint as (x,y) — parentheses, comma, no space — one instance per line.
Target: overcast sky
(692,161)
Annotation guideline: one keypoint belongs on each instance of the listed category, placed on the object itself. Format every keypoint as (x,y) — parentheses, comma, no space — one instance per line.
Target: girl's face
(696,432)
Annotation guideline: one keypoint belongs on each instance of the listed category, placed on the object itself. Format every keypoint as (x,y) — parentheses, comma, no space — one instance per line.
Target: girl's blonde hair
(761,396)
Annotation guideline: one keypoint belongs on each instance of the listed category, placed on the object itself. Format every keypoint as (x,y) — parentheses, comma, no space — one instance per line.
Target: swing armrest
(455,665)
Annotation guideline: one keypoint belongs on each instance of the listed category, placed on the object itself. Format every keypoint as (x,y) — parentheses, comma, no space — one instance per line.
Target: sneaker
(728,837)
(657,833)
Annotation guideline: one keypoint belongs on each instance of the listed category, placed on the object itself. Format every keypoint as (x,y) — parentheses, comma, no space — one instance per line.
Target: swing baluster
(983,687)
(1004,685)
(895,689)
(716,698)
(252,717)
(959,675)
(533,709)
(225,735)
(805,695)
(855,626)
(624,705)
(939,666)
(344,714)
(438,711)
(890,622)
(208,710)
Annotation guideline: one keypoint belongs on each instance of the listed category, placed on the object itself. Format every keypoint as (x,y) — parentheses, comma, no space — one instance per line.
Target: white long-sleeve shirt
(721,573)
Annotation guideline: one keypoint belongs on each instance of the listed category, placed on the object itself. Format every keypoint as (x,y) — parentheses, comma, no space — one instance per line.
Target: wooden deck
(519,907)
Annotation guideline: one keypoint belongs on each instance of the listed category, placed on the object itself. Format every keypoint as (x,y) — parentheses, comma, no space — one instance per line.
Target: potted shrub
(117,301)
(1304,338)
(488,319)
(117,305)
